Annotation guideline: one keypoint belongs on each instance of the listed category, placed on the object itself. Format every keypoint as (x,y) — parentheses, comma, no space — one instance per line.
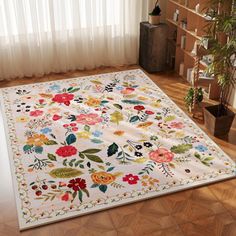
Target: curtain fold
(42,36)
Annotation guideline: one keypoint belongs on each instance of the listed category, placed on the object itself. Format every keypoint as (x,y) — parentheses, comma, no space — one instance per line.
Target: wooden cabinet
(187,20)
(153,46)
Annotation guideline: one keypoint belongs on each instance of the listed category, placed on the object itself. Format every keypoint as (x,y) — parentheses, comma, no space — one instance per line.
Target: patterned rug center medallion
(81,145)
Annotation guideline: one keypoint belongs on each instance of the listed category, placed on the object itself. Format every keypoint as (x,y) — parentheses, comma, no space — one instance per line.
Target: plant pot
(218,125)
(154,20)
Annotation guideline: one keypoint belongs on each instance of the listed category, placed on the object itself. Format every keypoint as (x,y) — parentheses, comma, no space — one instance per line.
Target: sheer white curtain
(43,36)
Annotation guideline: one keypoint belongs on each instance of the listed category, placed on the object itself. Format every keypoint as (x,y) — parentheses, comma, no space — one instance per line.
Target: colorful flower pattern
(101,139)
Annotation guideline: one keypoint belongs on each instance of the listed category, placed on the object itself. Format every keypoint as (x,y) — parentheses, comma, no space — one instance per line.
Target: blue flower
(97,133)
(201,148)
(119,87)
(46,130)
(55,87)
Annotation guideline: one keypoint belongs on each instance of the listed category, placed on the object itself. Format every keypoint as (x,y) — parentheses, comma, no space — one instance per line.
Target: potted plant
(189,98)
(155,15)
(222,31)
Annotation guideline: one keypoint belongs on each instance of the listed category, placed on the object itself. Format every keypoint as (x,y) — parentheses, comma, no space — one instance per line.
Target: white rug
(86,144)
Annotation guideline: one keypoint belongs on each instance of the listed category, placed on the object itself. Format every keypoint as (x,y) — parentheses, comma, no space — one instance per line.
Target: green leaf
(81,155)
(65,173)
(133,102)
(78,162)
(104,102)
(74,90)
(112,149)
(38,149)
(64,162)
(70,139)
(85,191)
(94,186)
(96,141)
(103,188)
(80,195)
(87,128)
(50,142)
(169,118)
(53,157)
(208,159)
(74,195)
(197,155)
(110,169)
(27,148)
(69,89)
(94,158)
(133,119)
(91,151)
(118,106)
(182,148)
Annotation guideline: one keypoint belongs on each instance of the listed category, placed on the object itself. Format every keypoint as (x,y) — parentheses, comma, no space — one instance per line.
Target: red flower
(56,117)
(36,113)
(65,197)
(149,112)
(139,108)
(131,179)
(77,184)
(63,98)
(66,151)
(41,101)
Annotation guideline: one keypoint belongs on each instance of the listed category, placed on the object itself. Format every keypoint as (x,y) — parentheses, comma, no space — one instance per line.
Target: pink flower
(131,179)
(177,125)
(161,155)
(36,113)
(88,119)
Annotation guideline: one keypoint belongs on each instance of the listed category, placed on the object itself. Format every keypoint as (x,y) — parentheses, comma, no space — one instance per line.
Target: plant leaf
(112,149)
(91,151)
(133,119)
(70,139)
(53,157)
(118,106)
(116,117)
(86,191)
(103,188)
(80,195)
(96,140)
(87,128)
(182,148)
(65,173)
(94,158)
(133,102)
(38,149)
(27,148)
(110,169)
(50,142)
(94,185)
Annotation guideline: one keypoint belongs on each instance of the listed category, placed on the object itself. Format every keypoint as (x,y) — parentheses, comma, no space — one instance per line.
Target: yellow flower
(22,119)
(156,104)
(119,132)
(149,181)
(54,110)
(142,98)
(37,140)
(141,160)
(93,102)
(102,178)
(84,134)
(179,134)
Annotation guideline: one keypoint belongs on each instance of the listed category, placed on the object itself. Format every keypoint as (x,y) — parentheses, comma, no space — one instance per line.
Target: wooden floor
(205,211)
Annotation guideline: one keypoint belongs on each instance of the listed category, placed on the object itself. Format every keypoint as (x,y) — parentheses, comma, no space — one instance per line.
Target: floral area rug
(86,144)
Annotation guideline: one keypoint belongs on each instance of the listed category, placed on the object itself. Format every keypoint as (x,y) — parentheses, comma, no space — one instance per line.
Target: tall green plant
(223,23)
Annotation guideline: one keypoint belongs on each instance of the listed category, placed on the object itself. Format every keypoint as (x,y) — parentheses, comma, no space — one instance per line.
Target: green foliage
(182,148)
(190,96)
(65,173)
(112,149)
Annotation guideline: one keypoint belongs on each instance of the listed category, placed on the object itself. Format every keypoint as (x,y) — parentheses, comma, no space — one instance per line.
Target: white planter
(154,20)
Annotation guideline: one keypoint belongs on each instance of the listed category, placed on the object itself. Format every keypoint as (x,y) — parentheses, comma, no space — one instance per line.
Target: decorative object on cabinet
(155,15)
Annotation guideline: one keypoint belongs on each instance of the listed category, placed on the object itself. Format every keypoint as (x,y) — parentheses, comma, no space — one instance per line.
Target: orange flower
(119,132)
(103,178)
(93,102)
(37,140)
